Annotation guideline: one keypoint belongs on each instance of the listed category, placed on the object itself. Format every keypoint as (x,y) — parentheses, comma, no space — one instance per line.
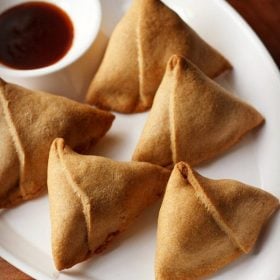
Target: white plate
(25,230)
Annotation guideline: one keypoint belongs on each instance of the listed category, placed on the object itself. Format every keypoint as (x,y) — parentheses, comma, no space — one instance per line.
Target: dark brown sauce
(34,35)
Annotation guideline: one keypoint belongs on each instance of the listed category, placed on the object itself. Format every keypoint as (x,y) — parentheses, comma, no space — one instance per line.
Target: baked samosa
(205,224)
(29,122)
(137,53)
(193,119)
(93,199)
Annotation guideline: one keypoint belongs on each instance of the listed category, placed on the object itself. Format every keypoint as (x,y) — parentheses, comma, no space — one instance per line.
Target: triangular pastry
(29,122)
(92,199)
(193,119)
(205,224)
(136,57)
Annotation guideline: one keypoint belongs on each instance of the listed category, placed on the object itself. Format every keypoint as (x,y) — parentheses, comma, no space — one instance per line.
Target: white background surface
(25,230)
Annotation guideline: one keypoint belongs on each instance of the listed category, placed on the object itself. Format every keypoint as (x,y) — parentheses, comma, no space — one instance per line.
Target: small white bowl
(86,18)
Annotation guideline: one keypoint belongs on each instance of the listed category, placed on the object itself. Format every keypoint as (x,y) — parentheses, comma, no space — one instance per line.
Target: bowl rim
(60,64)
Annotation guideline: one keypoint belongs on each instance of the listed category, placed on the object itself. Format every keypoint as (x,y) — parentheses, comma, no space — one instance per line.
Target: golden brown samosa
(193,119)
(29,122)
(93,199)
(136,57)
(205,224)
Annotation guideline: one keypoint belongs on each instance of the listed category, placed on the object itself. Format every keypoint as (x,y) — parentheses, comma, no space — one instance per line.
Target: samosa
(29,122)
(193,118)
(93,199)
(205,224)
(136,57)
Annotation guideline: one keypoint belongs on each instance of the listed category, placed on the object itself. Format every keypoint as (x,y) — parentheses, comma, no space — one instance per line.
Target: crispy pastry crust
(193,119)
(136,57)
(93,199)
(29,122)
(205,224)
